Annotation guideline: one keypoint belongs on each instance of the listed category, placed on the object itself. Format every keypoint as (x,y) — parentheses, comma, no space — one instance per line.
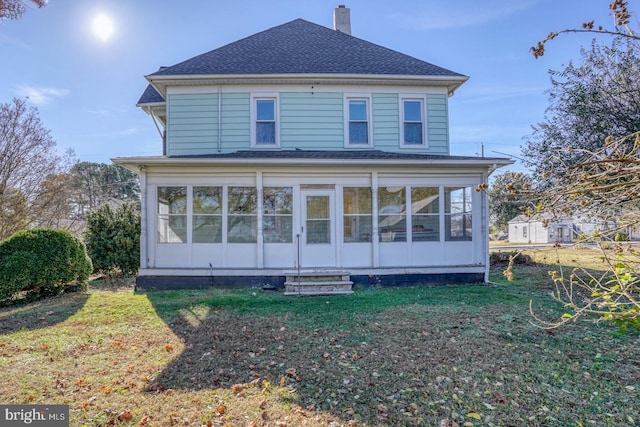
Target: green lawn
(404,356)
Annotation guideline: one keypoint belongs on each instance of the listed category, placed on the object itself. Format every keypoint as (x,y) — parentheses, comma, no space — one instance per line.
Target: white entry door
(318,237)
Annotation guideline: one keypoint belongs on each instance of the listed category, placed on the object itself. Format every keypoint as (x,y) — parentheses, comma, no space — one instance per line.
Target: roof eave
(137,162)
(160,82)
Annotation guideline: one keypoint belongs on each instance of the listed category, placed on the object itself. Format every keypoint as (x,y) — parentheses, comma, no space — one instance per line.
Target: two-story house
(305,148)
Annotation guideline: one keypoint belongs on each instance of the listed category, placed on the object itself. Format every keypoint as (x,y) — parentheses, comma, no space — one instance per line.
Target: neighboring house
(541,228)
(305,148)
(545,228)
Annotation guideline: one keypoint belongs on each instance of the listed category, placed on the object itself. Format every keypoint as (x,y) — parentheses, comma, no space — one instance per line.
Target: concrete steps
(322,282)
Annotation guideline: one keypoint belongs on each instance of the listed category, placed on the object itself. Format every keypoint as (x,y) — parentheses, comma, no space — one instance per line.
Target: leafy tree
(589,101)
(113,239)
(15,9)
(506,199)
(600,177)
(96,183)
(28,165)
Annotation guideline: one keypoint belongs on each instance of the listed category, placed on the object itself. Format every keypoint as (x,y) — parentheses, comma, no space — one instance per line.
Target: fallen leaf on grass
(221,409)
(474,415)
(145,420)
(447,423)
(125,415)
(383,412)
(499,398)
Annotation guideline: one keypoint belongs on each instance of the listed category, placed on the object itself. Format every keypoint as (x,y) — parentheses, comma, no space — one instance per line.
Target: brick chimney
(342,19)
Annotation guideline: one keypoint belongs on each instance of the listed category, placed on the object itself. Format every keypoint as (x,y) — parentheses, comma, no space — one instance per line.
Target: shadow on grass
(49,311)
(372,356)
(42,313)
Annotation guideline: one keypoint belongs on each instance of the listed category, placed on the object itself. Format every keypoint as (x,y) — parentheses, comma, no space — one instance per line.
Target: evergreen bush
(113,239)
(42,261)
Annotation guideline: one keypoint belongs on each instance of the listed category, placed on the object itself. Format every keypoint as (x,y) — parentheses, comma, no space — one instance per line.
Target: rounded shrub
(42,260)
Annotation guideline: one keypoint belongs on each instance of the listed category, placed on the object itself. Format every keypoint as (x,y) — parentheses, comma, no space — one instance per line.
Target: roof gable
(302,47)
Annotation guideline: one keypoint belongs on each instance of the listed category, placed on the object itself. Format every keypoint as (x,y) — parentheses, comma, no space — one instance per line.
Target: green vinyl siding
(236,118)
(311,120)
(385,117)
(192,125)
(306,120)
(437,124)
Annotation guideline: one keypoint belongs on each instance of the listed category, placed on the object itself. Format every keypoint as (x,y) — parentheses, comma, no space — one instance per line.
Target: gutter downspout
(219,118)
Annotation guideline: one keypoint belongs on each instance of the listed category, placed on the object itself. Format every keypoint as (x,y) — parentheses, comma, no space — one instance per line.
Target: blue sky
(85,88)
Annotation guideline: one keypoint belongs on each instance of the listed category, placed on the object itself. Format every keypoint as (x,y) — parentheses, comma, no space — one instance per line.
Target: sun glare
(102,27)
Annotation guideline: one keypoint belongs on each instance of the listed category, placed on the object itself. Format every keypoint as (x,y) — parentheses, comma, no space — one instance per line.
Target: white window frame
(358,97)
(254,117)
(423,115)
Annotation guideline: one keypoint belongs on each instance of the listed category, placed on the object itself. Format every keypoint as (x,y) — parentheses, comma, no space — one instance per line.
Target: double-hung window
(265,121)
(413,119)
(358,122)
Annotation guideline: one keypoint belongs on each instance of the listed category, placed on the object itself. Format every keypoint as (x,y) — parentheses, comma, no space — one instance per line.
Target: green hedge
(42,261)
(113,239)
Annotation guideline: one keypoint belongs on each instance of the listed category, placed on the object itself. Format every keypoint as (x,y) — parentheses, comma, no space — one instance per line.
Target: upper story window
(265,121)
(413,119)
(358,118)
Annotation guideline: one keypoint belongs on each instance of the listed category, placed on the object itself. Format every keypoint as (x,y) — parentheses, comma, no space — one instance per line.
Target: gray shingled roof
(327,154)
(150,96)
(300,47)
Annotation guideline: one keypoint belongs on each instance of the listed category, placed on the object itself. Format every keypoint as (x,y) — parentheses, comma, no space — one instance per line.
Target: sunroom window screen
(357,214)
(278,214)
(458,212)
(207,215)
(242,217)
(172,214)
(392,218)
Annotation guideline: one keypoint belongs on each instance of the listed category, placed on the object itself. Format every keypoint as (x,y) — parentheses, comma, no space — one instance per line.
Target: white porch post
(375,239)
(144,261)
(260,236)
(484,197)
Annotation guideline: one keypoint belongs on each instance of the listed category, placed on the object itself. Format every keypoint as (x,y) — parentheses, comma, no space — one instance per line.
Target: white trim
(257,96)
(260,89)
(160,82)
(355,271)
(422,98)
(347,96)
